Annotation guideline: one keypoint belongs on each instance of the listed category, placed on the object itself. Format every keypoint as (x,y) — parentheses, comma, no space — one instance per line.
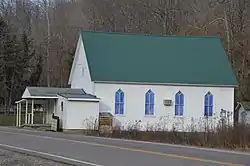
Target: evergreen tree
(4,32)
(16,54)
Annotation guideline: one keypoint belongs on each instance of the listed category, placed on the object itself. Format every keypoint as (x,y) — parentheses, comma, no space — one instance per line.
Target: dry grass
(221,136)
(237,137)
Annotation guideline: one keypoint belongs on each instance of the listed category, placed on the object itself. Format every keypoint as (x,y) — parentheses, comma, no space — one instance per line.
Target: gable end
(75,59)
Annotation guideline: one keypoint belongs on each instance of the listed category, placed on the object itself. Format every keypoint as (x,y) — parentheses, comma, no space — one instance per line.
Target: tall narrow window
(149,103)
(208,104)
(179,103)
(119,102)
(61,106)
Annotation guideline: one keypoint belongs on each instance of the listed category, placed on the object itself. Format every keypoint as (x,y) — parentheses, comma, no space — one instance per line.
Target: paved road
(93,151)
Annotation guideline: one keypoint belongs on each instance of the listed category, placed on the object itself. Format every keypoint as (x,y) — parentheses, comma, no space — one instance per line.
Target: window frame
(119,102)
(149,103)
(179,104)
(208,104)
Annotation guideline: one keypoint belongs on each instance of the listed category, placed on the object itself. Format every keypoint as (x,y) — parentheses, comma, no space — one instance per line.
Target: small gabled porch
(32,111)
(37,105)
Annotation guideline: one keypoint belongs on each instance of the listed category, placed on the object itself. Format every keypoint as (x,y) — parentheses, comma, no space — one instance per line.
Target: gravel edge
(10,157)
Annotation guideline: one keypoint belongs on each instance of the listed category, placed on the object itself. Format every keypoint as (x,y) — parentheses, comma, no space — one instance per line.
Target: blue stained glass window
(179,104)
(149,103)
(119,102)
(208,104)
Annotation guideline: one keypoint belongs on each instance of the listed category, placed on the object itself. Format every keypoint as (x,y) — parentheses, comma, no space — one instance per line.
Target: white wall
(62,114)
(81,114)
(80,71)
(164,115)
(26,93)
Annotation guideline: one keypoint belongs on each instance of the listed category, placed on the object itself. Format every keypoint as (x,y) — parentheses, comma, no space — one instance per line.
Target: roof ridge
(149,35)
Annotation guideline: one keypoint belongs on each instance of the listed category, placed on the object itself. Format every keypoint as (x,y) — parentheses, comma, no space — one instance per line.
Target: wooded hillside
(38,37)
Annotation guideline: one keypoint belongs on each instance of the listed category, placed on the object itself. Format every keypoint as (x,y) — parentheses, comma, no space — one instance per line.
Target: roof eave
(79,99)
(83,99)
(41,97)
(166,84)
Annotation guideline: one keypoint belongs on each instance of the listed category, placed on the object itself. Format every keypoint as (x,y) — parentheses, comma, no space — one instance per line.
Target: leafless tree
(54,26)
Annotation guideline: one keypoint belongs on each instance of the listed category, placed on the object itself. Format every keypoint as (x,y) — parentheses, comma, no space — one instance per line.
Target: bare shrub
(90,126)
(215,135)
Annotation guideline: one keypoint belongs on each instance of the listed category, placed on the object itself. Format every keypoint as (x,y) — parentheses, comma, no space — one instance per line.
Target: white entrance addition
(34,111)
(71,106)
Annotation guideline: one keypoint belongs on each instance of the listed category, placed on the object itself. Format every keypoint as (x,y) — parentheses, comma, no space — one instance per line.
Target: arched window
(208,104)
(119,102)
(179,103)
(149,103)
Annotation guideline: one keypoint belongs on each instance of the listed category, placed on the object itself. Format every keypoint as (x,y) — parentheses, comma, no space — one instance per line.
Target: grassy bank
(10,120)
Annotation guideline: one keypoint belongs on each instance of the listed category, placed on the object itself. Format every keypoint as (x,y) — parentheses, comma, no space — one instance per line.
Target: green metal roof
(46,91)
(65,92)
(77,96)
(123,57)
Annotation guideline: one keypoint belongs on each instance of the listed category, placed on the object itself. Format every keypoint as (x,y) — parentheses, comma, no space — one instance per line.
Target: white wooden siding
(81,114)
(80,79)
(134,109)
(62,114)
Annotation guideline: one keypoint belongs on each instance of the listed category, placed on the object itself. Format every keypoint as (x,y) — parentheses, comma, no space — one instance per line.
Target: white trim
(26,112)
(82,99)
(20,101)
(166,84)
(79,99)
(32,111)
(75,59)
(40,97)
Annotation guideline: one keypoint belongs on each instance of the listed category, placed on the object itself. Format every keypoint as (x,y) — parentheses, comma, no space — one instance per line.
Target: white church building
(144,81)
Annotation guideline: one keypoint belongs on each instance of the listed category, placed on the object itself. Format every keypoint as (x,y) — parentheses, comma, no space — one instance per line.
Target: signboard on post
(54,124)
(105,123)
